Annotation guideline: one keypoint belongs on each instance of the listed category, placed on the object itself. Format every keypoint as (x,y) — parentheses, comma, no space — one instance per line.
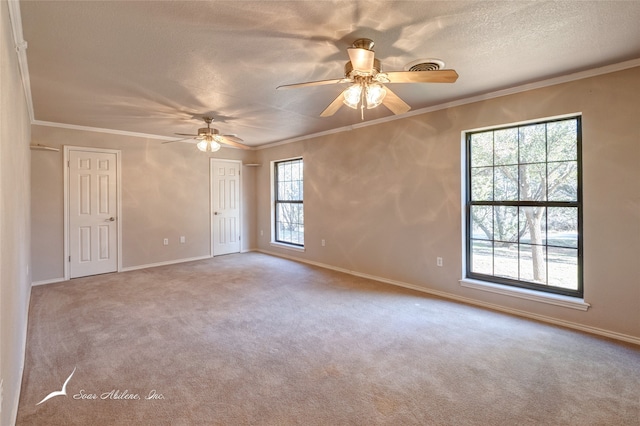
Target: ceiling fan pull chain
(364,89)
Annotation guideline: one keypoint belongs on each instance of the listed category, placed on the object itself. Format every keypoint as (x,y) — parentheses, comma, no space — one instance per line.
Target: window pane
(482,222)
(532,144)
(482,257)
(505,224)
(532,225)
(289,171)
(290,219)
(482,149)
(284,172)
(562,140)
(505,260)
(563,181)
(482,184)
(563,226)
(300,217)
(506,183)
(533,266)
(533,182)
(298,190)
(506,146)
(563,267)
(281,191)
(291,192)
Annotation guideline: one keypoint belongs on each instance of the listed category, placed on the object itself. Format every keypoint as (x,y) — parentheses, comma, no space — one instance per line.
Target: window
(289,207)
(524,206)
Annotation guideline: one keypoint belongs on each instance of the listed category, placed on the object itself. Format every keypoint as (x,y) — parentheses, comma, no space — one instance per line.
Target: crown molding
(101,130)
(21,49)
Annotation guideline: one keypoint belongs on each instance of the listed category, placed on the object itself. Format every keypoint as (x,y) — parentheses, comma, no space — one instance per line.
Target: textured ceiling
(155,67)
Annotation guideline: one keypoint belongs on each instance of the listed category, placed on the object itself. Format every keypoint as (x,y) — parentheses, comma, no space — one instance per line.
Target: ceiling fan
(364,73)
(210,139)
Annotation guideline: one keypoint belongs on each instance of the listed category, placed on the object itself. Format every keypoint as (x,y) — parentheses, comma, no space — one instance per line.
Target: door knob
(215,213)
(111,219)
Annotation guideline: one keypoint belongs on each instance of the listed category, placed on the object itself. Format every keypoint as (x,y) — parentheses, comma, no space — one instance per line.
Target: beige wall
(165,194)
(387,198)
(15,279)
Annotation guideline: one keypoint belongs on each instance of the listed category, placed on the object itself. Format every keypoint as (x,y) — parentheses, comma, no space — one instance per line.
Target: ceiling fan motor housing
(207,131)
(204,131)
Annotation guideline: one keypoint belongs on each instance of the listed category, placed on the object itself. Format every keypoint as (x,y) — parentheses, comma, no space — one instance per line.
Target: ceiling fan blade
(185,134)
(314,83)
(440,76)
(231,140)
(178,140)
(394,103)
(361,59)
(333,106)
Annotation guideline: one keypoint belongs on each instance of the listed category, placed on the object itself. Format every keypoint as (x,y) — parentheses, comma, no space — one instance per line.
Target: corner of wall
(15,188)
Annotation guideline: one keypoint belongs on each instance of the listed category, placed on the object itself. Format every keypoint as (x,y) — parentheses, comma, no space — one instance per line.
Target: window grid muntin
(470,240)
(282,200)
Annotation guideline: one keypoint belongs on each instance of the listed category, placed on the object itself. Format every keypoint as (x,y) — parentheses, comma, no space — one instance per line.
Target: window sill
(287,246)
(523,293)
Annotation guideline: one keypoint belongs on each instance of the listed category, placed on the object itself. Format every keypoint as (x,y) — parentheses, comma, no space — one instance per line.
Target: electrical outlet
(166,242)
(261,233)
(439,261)
(322,242)
(183,239)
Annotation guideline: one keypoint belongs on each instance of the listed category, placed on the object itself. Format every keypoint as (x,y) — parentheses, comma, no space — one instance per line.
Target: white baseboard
(543,318)
(51,281)
(168,262)
(131,268)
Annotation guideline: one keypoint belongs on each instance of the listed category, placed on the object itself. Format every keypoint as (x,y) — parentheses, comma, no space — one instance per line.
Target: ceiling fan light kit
(370,93)
(363,71)
(375,94)
(206,145)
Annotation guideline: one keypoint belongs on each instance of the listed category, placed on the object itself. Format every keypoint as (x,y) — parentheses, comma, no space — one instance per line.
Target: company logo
(62,391)
(114,394)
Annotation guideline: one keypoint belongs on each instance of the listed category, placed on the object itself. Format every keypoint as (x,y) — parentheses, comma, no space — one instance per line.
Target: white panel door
(225,206)
(93,247)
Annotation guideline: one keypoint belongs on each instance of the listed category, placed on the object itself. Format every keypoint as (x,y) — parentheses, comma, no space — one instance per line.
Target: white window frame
(272,171)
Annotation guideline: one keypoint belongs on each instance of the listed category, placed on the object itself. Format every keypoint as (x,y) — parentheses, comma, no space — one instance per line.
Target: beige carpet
(258,340)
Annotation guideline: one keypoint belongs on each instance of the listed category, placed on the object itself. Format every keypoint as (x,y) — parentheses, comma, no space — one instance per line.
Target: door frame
(211,198)
(65,166)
